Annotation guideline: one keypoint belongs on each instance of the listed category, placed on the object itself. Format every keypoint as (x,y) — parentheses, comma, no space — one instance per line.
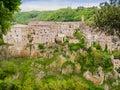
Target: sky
(41,5)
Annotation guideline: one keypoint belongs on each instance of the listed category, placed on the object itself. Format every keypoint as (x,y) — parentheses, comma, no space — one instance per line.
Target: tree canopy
(7,9)
(107,18)
(64,14)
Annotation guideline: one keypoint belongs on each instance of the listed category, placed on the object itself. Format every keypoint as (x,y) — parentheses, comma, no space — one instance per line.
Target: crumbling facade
(36,32)
(113,42)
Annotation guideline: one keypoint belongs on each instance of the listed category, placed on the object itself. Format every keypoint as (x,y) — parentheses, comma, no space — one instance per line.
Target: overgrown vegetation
(45,73)
(107,18)
(116,54)
(59,67)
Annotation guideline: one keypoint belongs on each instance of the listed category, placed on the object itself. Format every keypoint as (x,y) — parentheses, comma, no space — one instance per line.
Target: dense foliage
(65,14)
(41,46)
(108,17)
(28,80)
(7,9)
(116,54)
(77,46)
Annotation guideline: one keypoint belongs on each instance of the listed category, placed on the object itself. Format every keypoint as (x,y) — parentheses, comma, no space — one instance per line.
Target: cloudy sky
(40,5)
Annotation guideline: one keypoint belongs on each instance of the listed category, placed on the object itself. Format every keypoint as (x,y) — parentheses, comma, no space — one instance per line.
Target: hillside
(65,14)
(70,66)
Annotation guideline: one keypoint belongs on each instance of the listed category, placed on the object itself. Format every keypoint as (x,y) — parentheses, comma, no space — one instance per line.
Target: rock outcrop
(67,70)
(96,79)
(77,68)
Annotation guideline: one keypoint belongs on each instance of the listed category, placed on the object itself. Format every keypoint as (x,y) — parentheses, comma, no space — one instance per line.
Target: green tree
(107,18)
(7,9)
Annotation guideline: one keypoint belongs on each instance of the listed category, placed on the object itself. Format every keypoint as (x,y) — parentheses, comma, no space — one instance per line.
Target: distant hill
(65,14)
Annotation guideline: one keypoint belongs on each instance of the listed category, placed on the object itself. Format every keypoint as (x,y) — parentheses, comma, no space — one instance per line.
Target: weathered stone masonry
(39,32)
(45,32)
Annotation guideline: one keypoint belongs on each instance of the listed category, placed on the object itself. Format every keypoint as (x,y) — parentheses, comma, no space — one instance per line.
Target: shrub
(1,41)
(116,54)
(9,68)
(77,46)
(2,74)
(97,46)
(41,46)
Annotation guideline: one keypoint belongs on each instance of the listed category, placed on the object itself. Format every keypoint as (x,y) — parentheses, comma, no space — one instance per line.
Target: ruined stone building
(93,36)
(17,37)
(47,31)
(37,32)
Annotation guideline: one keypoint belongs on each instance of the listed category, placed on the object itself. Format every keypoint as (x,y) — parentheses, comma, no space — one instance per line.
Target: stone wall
(93,36)
(36,32)
(116,63)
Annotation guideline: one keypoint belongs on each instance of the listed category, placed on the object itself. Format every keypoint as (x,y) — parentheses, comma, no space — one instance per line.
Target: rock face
(88,75)
(40,75)
(25,52)
(36,54)
(72,57)
(59,40)
(106,87)
(77,68)
(60,61)
(112,75)
(57,64)
(67,70)
(3,51)
(101,75)
(96,79)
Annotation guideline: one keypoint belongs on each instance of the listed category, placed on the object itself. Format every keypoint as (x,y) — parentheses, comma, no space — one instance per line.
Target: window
(70,26)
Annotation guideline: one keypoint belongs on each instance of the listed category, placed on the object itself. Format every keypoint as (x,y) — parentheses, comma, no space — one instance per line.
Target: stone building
(98,37)
(36,32)
(45,32)
(17,37)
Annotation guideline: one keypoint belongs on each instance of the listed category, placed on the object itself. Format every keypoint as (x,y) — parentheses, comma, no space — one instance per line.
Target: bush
(116,54)
(2,74)
(79,35)
(41,46)
(9,68)
(68,63)
(97,46)
(28,84)
(1,41)
(77,46)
